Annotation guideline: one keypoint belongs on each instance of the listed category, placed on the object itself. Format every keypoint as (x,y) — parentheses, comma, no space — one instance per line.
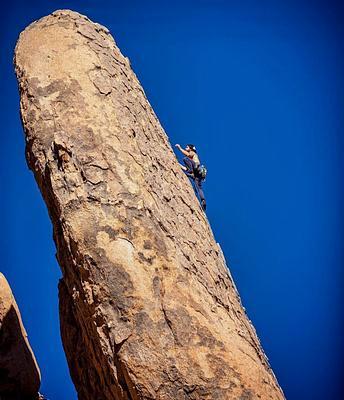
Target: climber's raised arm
(185,152)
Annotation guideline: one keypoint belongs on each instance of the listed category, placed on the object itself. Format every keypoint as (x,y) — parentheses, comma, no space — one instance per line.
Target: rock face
(148,309)
(19,373)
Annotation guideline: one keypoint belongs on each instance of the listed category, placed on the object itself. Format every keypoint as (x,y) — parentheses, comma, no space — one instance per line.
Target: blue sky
(257,86)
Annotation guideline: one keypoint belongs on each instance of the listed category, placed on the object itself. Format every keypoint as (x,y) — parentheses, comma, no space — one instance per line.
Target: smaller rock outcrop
(19,373)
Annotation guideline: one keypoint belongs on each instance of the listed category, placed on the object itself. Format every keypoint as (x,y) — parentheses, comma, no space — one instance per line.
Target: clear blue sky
(258,87)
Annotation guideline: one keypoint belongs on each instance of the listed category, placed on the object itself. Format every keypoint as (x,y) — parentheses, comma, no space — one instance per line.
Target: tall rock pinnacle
(148,309)
(19,373)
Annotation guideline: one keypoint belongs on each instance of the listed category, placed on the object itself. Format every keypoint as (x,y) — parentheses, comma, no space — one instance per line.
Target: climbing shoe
(204,205)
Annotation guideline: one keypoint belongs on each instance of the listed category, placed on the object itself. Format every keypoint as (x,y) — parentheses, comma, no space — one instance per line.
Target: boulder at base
(19,373)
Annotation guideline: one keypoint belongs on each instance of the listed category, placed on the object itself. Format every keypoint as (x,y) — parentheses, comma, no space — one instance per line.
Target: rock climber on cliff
(194,169)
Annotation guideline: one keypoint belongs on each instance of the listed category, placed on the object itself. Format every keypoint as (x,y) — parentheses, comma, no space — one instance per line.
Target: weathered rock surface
(148,309)
(19,373)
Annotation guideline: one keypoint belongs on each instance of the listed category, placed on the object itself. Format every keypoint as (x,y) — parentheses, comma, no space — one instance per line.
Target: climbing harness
(202,172)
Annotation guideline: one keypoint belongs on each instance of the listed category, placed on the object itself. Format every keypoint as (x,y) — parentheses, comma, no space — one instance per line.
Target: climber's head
(191,147)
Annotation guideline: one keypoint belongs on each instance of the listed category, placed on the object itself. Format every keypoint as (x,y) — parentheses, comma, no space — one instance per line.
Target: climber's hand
(178,145)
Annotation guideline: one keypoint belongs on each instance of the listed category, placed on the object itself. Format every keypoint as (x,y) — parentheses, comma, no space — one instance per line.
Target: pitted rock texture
(19,373)
(148,309)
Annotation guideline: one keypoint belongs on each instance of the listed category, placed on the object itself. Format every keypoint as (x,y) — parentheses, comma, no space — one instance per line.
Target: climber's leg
(190,165)
(199,191)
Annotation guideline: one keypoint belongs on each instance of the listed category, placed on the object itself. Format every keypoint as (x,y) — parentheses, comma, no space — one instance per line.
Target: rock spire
(148,308)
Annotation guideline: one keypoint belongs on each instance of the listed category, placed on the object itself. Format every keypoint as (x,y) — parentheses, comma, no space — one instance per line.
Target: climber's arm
(186,153)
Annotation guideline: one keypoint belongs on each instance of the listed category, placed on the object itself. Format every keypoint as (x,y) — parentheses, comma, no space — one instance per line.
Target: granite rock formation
(148,308)
(19,373)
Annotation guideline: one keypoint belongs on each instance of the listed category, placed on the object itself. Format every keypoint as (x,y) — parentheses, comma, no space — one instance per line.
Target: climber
(194,170)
